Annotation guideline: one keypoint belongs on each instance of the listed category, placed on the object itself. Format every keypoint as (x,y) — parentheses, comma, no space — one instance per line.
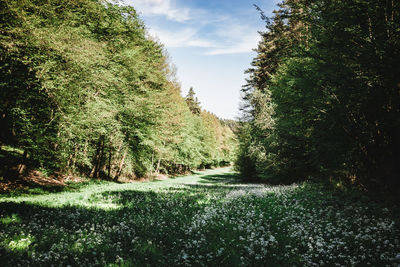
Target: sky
(210,42)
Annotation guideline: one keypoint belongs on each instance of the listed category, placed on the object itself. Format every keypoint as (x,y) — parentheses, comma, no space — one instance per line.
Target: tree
(85,90)
(192,102)
(322,98)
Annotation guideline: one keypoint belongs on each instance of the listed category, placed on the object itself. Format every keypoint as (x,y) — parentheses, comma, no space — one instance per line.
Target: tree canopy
(322,98)
(84,89)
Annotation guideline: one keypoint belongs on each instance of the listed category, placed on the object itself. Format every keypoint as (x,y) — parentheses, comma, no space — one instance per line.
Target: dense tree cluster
(84,89)
(322,99)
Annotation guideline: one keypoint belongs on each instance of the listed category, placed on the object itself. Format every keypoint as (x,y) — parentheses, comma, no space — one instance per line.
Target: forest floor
(208,218)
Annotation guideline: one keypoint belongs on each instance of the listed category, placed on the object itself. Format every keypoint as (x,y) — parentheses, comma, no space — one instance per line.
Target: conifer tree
(192,102)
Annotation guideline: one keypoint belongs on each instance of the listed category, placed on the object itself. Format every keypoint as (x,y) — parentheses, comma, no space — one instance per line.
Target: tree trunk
(85,149)
(71,157)
(158,165)
(121,164)
(74,157)
(22,165)
(55,145)
(96,163)
(101,157)
(152,164)
(109,162)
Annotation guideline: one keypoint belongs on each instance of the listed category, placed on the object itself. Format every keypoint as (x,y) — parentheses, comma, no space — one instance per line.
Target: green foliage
(322,97)
(192,102)
(85,90)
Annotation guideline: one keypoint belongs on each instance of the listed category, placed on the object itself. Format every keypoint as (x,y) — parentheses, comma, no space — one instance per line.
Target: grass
(208,218)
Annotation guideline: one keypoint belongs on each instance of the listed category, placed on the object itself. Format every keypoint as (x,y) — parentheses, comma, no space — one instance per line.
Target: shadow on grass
(225,178)
(146,229)
(143,230)
(29,189)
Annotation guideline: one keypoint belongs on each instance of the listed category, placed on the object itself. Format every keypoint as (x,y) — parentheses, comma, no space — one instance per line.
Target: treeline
(322,99)
(85,90)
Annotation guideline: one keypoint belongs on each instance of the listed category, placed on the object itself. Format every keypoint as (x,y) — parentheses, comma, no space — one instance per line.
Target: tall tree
(192,102)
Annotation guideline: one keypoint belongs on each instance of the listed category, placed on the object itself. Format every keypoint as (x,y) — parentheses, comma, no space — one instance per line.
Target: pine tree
(192,102)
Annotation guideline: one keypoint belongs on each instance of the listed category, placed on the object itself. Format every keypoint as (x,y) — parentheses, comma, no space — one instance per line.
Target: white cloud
(225,34)
(180,38)
(161,7)
(243,46)
(240,39)
(231,39)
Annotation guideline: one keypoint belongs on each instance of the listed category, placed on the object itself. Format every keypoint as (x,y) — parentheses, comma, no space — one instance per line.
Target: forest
(104,162)
(86,91)
(322,99)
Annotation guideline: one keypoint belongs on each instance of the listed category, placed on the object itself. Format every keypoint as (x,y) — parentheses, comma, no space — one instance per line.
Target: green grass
(208,218)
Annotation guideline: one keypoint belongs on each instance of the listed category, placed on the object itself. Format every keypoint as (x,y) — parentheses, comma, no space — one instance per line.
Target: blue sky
(210,42)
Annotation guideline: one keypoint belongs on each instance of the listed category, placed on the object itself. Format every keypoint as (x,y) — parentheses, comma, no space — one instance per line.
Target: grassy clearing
(204,219)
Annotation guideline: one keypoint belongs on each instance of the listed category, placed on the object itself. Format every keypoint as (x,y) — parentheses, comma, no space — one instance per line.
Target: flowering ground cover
(205,219)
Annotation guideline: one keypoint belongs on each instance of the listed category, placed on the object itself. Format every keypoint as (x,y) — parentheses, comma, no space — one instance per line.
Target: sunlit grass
(89,195)
(204,219)
(20,242)
(10,219)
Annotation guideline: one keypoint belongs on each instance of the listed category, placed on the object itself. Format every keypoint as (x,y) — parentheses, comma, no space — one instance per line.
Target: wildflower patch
(196,220)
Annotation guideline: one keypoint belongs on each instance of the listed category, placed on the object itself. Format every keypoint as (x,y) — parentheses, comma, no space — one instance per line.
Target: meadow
(205,219)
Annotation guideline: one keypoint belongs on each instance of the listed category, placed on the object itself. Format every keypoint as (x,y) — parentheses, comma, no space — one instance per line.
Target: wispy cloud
(238,39)
(217,33)
(186,37)
(161,7)
(206,29)
(229,39)
(242,47)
